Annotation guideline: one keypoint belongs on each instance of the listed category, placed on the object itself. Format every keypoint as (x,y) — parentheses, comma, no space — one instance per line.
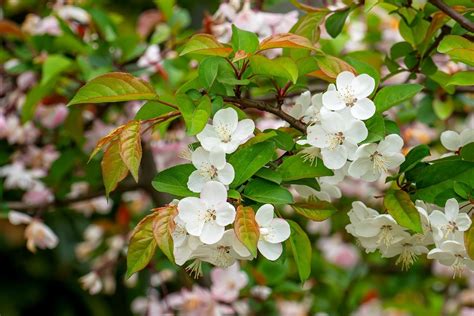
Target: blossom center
(407,256)
(458,265)
(265,233)
(224,132)
(210,216)
(337,139)
(208,171)
(347,95)
(223,258)
(386,235)
(379,161)
(451,227)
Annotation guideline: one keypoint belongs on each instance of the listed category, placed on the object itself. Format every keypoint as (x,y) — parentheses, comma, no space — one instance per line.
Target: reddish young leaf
(105,140)
(10,28)
(113,168)
(205,44)
(286,40)
(163,227)
(131,147)
(246,228)
(330,67)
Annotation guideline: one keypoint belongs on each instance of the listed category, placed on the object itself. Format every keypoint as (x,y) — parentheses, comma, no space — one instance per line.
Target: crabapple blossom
(452,253)
(227,283)
(308,108)
(454,141)
(151,58)
(337,139)
(211,166)
(226,132)
(273,231)
(91,282)
(37,234)
(407,249)
(17,177)
(339,253)
(207,216)
(352,93)
(372,160)
(451,221)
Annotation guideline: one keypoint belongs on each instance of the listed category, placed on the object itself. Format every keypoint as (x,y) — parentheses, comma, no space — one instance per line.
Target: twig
(462,20)
(268,107)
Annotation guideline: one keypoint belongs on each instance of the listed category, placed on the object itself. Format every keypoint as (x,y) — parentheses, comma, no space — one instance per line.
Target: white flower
(352,92)
(407,249)
(91,282)
(223,253)
(226,133)
(452,253)
(374,159)
(37,234)
(337,138)
(273,231)
(17,177)
(207,216)
(451,221)
(308,108)
(211,166)
(151,58)
(454,141)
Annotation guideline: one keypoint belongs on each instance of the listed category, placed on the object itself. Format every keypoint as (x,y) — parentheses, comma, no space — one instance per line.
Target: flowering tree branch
(463,21)
(268,107)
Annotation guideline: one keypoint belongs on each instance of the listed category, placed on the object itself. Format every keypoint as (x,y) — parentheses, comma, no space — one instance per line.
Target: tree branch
(267,107)
(462,20)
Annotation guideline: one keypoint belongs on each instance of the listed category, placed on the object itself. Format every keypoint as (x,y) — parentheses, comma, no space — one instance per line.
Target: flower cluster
(442,228)
(201,231)
(336,130)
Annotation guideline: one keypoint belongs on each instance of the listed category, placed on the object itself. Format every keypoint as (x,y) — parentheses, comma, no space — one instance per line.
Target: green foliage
(295,168)
(264,191)
(390,96)
(174,180)
(301,248)
(142,245)
(399,205)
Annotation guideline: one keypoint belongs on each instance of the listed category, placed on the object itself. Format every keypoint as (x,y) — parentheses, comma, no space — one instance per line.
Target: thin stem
(462,20)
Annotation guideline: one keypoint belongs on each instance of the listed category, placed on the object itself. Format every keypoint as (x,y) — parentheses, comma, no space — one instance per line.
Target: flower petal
(363,85)
(317,136)
(200,157)
(363,109)
(463,222)
(217,159)
(264,215)
(280,231)
(196,181)
(213,193)
(467,136)
(438,219)
(226,117)
(211,233)
(225,214)
(451,140)
(269,251)
(394,160)
(227,174)
(244,130)
(451,209)
(333,101)
(335,158)
(344,79)
(356,132)
(360,167)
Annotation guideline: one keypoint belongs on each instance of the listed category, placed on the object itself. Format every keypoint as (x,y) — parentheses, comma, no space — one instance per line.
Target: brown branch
(462,20)
(267,107)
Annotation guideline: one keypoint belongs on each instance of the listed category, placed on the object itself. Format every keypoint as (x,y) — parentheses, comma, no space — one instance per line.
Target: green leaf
(244,40)
(114,169)
(114,87)
(390,96)
(163,228)
(443,108)
(247,161)
(315,209)
(415,155)
(295,168)
(469,241)
(53,66)
(335,23)
(376,128)
(462,78)
(195,117)
(401,207)
(152,109)
(282,67)
(174,180)
(462,189)
(166,7)
(467,152)
(33,98)
(142,246)
(246,228)
(264,191)
(301,248)
(269,174)
(400,49)
(459,48)
(308,25)
(205,44)
(131,147)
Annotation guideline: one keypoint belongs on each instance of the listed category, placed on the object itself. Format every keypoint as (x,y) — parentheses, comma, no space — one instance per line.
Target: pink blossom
(197,302)
(26,80)
(38,195)
(339,253)
(467,311)
(227,283)
(51,116)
